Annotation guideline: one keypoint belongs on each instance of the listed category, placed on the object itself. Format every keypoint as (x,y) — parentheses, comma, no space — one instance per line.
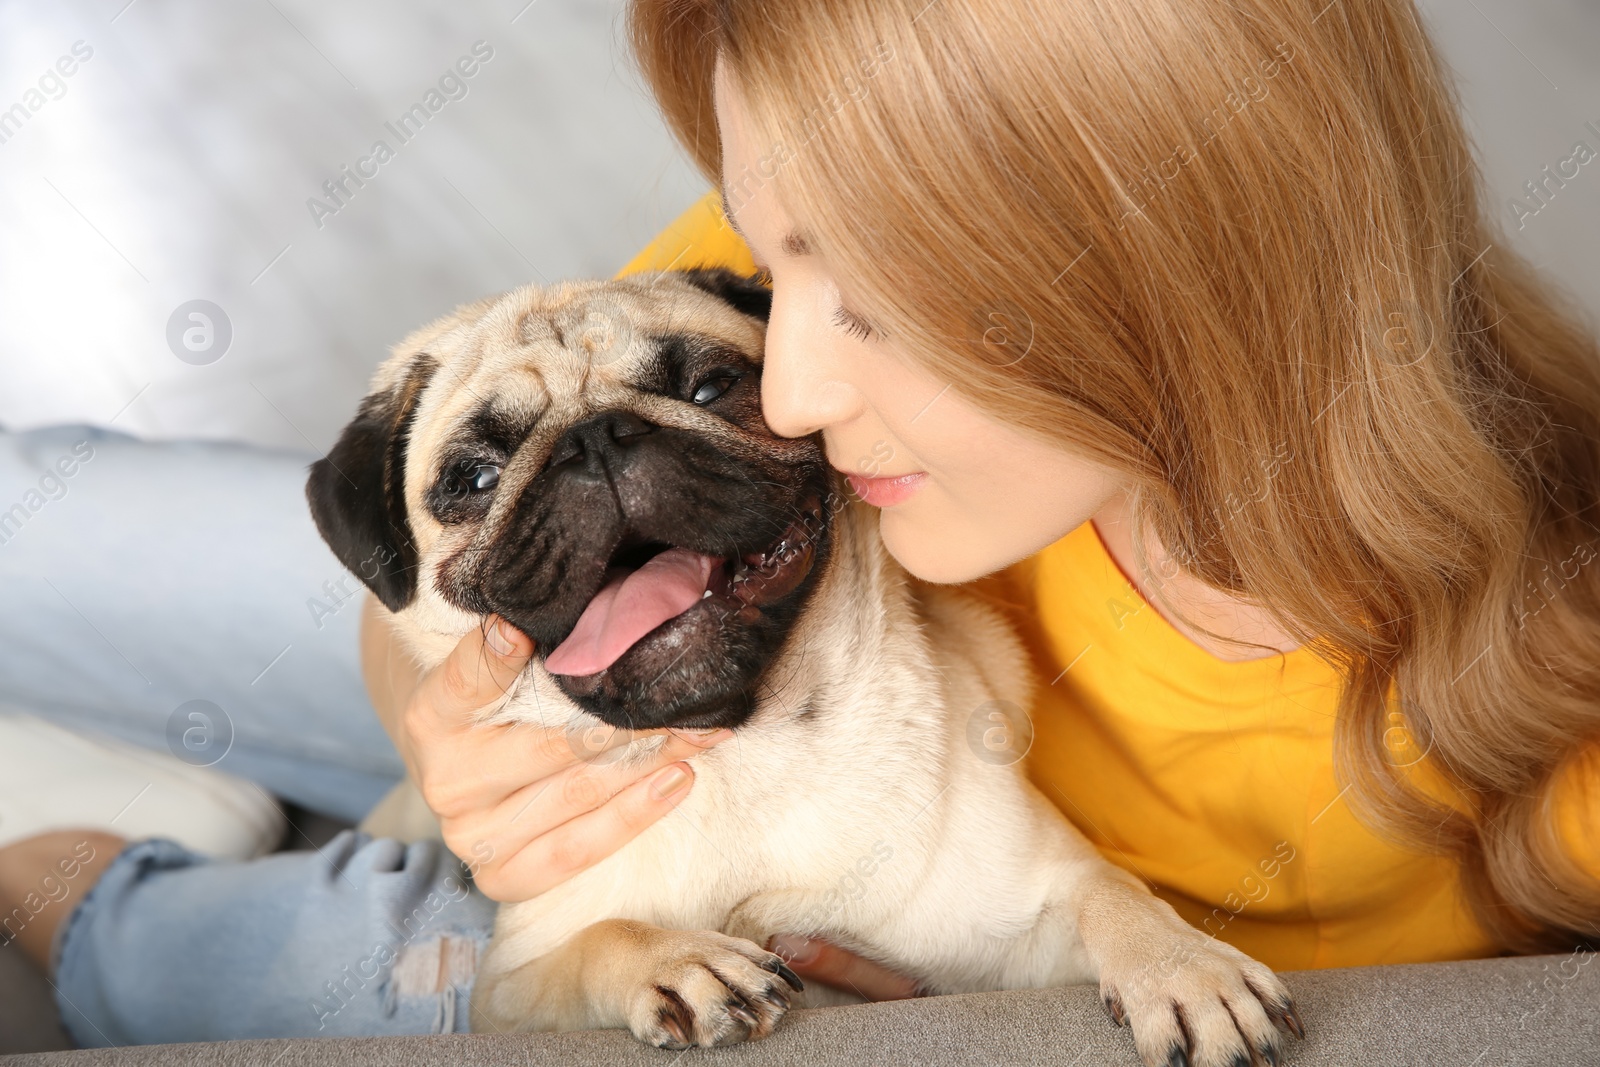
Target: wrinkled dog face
(590,462)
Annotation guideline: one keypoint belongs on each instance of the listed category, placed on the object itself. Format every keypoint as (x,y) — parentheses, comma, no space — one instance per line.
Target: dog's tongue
(630,606)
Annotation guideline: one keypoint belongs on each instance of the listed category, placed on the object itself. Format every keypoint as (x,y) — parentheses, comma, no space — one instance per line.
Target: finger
(600,742)
(841,968)
(451,756)
(509,761)
(540,806)
(463,771)
(523,751)
(490,765)
(478,673)
(587,786)
(581,842)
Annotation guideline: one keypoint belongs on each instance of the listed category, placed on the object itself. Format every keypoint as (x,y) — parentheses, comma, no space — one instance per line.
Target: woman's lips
(886,492)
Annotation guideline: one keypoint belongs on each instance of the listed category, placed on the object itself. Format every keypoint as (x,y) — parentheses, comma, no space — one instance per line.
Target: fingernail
(499,638)
(794,948)
(672,780)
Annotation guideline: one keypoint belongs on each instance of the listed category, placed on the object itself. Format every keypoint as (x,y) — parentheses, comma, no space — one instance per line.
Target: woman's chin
(947,546)
(940,552)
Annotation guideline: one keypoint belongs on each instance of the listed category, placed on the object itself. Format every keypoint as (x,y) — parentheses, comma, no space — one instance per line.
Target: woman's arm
(390,674)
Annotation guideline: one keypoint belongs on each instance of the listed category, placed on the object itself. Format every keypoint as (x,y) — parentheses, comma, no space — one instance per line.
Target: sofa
(1479,1013)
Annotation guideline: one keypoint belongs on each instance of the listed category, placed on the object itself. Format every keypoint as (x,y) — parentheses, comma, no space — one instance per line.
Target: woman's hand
(525,807)
(817,960)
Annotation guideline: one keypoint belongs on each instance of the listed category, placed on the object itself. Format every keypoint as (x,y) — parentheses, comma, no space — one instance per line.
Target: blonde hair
(1234,250)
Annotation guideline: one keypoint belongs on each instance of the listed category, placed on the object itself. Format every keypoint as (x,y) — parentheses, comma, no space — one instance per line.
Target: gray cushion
(1484,1013)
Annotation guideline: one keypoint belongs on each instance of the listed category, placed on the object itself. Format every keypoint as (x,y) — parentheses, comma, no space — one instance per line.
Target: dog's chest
(764,815)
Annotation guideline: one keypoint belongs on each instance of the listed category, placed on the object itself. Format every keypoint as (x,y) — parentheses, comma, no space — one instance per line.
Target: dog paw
(1199,1003)
(708,989)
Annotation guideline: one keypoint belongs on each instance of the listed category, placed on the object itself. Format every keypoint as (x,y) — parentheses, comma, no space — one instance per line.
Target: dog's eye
(709,390)
(469,476)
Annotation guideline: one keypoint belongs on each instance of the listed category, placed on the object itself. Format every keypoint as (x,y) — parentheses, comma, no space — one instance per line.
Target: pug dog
(590,462)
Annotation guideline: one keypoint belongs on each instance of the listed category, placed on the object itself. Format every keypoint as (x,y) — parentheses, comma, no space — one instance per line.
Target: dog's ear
(742,291)
(357,493)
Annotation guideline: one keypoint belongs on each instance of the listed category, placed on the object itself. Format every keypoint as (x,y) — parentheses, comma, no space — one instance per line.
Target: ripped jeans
(368,937)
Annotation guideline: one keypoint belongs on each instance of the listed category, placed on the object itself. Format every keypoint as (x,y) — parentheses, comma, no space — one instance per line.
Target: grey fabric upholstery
(1485,1013)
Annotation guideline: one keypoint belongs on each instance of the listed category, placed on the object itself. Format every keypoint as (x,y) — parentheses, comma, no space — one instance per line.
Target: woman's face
(961,493)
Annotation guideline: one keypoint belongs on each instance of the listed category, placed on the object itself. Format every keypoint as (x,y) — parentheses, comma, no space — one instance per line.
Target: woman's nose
(802,389)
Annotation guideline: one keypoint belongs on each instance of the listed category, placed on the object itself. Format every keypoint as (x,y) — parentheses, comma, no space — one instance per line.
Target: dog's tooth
(705,594)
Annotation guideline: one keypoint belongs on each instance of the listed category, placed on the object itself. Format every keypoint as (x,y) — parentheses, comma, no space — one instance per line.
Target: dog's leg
(1189,997)
(672,988)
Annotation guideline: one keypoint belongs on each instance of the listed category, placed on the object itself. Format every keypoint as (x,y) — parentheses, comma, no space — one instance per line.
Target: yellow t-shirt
(1212,779)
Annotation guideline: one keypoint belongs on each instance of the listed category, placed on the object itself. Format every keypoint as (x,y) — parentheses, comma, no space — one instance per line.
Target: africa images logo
(452,85)
(52,85)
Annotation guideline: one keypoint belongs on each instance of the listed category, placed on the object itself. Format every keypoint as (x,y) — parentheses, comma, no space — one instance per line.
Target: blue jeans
(368,937)
(138,577)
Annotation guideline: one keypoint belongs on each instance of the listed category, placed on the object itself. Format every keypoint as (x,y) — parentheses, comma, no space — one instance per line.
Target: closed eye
(843,317)
(852,323)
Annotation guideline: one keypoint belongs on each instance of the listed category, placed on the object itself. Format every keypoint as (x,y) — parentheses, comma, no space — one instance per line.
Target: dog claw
(781,969)
(1292,1018)
(1179,1058)
(741,1011)
(1284,1015)
(1114,1009)
(679,1037)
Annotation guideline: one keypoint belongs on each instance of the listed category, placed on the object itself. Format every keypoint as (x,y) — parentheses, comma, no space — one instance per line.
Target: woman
(1360,446)
(1186,337)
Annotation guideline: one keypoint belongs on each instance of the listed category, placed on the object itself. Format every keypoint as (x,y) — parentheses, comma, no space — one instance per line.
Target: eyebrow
(795,243)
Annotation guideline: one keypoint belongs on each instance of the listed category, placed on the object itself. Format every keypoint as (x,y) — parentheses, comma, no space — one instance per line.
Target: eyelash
(852,323)
(843,318)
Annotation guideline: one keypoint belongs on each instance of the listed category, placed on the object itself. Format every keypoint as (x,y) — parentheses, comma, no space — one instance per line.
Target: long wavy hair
(1233,249)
